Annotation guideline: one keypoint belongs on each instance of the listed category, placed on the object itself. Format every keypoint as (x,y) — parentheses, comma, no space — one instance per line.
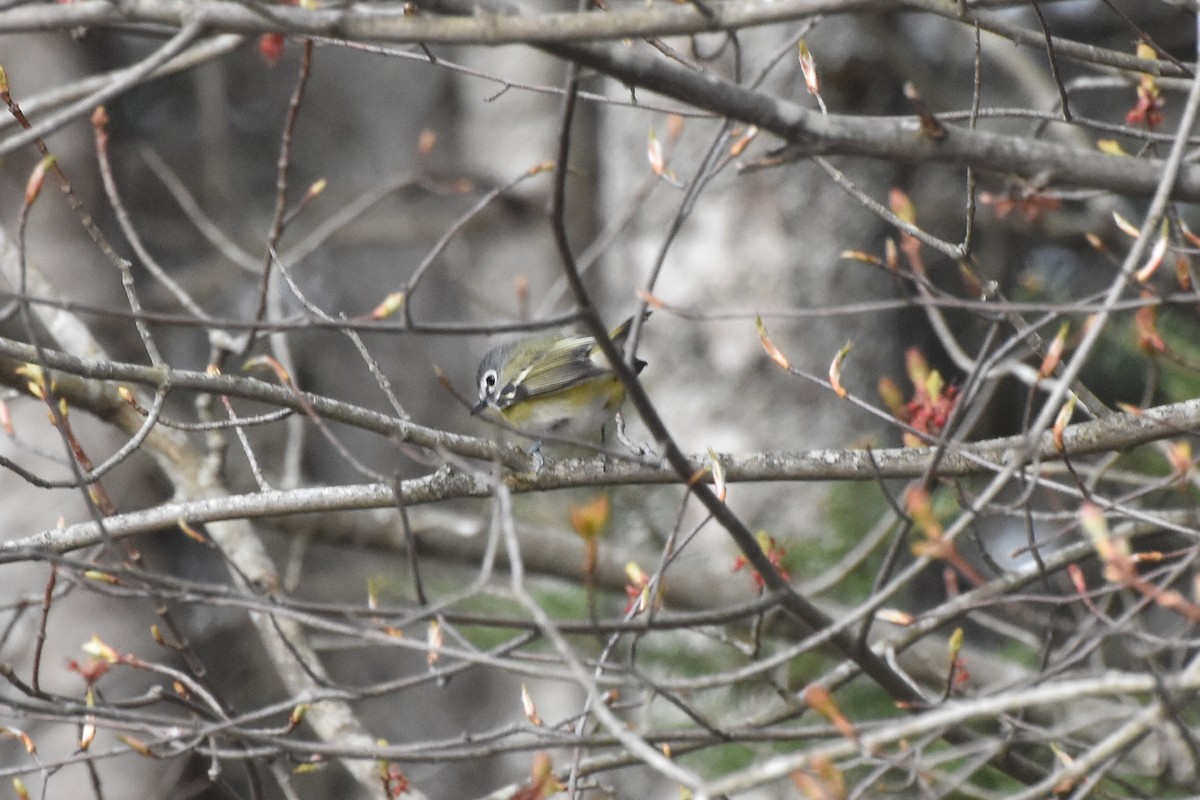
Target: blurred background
(408,149)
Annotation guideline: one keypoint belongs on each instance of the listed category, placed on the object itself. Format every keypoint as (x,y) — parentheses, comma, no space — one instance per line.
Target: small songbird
(553,383)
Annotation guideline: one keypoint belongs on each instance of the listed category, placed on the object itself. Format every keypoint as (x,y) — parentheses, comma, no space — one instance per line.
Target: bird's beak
(480,406)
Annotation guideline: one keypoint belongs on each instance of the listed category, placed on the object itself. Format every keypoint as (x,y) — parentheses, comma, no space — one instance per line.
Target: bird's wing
(562,365)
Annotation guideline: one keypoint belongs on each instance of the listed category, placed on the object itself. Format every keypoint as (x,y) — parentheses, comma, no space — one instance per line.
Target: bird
(557,384)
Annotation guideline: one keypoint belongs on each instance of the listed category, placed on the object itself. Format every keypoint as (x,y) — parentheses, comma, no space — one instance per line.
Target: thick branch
(891,138)
(482,23)
(1115,433)
(897,139)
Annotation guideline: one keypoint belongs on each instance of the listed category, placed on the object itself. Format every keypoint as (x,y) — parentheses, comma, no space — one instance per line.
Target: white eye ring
(487,383)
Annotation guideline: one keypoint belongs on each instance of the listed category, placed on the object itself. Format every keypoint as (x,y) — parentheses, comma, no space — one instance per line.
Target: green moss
(1179,378)
(852,509)
(802,668)
(863,700)
(564,602)
(722,759)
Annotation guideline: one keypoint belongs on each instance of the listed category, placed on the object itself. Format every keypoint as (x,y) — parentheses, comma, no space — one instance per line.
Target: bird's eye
(487,384)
